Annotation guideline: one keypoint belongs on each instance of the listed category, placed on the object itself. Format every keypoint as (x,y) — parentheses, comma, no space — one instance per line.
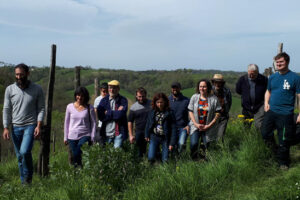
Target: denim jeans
(23,137)
(194,142)
(155,141)
(182,133)
(75,147)
(117,140)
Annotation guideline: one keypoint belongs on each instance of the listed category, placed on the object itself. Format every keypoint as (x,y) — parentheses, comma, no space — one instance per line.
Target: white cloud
(54,15)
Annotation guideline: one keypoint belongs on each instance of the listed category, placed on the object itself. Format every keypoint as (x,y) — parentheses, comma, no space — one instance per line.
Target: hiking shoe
(284,167)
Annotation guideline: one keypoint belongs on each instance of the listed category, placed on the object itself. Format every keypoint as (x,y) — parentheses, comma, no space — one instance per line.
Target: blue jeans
(182,139)
(117,140)
(155,141)
(194,142)
(23,137)
(75,147)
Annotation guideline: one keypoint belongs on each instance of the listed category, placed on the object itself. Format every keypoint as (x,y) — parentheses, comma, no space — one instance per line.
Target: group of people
(165,122)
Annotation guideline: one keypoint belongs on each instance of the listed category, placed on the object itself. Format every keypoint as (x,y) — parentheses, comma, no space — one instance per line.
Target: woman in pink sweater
(80,124)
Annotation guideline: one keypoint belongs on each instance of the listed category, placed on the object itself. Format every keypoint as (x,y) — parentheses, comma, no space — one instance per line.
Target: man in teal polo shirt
(279,107)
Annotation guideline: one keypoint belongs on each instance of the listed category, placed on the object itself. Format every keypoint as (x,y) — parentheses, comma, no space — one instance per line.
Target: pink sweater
(77,123)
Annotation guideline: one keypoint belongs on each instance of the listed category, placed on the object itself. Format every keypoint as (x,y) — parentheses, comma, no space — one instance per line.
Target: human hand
(187,128)
(267,107)
(66,142)
(37,131)
(131,139)
(120,108)
(298,119)
(170,148)
(147,139)
(5,134)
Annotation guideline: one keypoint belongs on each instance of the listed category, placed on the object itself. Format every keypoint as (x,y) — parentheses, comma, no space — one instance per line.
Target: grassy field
(240,168)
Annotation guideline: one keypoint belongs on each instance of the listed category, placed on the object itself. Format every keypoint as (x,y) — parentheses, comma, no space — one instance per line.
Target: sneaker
(284,167)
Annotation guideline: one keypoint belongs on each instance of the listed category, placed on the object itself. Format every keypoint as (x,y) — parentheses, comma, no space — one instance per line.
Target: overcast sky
(150,34)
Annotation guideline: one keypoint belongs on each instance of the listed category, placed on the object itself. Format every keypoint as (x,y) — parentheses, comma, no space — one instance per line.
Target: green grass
(240,168)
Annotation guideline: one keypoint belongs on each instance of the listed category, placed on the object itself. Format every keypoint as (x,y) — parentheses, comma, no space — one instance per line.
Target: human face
(218,85)
(141,98)
(175,91)
(21,76)
(80,99)
(203,88)
(281,65)
(252,74)
(103,92)
(113,90)
(160,103)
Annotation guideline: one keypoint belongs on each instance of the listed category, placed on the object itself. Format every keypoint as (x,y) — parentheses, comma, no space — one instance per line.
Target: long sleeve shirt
(79,124)
(23,106)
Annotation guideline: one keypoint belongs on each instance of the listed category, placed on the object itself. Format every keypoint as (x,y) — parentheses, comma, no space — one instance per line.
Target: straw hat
(218,78)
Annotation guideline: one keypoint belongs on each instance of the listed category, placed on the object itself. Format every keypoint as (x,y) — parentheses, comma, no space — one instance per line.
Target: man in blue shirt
(179,104)
(279,107)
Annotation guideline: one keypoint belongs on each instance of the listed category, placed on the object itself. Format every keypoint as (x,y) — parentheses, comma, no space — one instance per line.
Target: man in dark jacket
(179,104)
(252,88)
(112,112)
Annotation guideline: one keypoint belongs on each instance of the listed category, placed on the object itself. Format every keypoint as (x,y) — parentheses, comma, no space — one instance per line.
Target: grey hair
(253,67)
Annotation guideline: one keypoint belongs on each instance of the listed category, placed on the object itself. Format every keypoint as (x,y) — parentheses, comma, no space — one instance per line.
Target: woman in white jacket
(204,111)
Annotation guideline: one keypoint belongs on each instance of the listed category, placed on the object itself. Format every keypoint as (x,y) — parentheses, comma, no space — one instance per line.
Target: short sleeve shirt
(283,89)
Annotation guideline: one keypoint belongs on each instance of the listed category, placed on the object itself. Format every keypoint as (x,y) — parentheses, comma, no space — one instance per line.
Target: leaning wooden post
(96,89)
(280,47)
(43,165)
(77,76)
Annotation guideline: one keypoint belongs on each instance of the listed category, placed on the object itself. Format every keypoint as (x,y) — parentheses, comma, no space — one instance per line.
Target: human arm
(7,114)
(148,127)
(172,122)
(192,117)
(130,132)
(93,123)
(66,126)
(238,87)
(267,99)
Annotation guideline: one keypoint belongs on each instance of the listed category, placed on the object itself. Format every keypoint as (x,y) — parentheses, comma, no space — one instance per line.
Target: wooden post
(77,76)
(280,47)
(96,92)
(43,164)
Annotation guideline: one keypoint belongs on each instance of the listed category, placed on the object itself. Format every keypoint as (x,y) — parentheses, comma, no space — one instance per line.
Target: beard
(22,81)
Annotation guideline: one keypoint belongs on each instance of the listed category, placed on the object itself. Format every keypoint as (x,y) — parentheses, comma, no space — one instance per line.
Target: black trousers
(285,130)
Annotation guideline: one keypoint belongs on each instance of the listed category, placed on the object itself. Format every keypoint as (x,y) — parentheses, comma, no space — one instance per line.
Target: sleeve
(218,106)
(7,109)
(131,116)
(118,114)
(93,122)
(67,124)
(96,102)
(173,129)
(229,100)
(191,104)
(101,110)
(238,87)
(148,124)
(40,105)
(186,113)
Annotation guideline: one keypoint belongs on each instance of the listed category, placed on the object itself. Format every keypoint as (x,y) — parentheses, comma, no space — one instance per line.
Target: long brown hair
(158,96)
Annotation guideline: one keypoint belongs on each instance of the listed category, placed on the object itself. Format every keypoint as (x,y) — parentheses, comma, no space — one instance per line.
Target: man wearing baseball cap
(179,104)
(112,112)
(225,99)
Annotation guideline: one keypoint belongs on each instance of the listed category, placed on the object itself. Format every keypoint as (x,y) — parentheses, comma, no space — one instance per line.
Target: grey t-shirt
(111,126)
(23,106)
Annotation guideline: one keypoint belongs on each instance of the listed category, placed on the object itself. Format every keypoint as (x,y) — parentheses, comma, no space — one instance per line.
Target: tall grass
(241,167)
